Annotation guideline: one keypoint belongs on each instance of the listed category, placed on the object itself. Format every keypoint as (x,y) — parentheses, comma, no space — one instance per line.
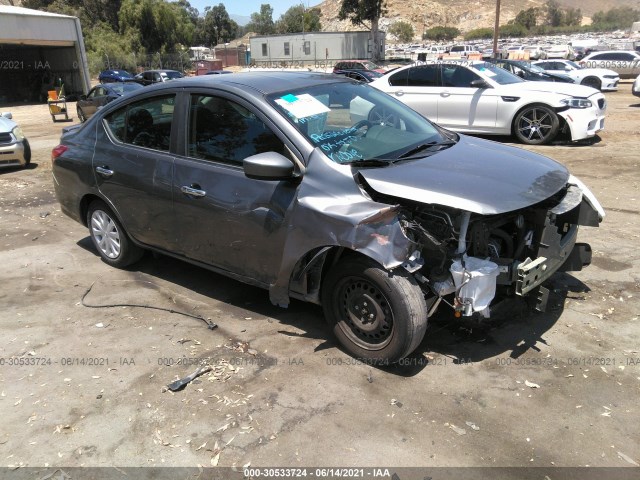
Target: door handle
(445,94)
(104,171)
(399,93)
(193,190)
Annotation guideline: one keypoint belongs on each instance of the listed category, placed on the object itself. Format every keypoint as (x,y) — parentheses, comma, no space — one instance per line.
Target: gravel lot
(83,386)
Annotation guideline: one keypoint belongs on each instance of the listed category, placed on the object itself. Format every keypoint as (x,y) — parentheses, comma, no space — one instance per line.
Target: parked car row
(148,77)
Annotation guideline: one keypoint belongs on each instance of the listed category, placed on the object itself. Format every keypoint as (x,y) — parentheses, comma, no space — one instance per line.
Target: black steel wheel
(536,124)
(109,237)
(376,315)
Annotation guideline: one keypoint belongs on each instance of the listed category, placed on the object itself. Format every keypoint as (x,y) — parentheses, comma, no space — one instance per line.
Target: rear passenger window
(423,76)
(223,131)
(146,123)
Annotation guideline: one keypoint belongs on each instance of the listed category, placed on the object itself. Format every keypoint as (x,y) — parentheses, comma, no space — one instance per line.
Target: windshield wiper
(370,162)
(425,146)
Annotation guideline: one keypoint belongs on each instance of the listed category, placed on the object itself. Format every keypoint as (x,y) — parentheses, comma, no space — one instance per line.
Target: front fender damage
(322,218)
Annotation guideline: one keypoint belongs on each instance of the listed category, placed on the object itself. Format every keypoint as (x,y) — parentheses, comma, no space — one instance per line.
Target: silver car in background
(14,147)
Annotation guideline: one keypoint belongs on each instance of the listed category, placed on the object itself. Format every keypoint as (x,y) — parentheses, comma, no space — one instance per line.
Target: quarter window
(223,131)
(145,124)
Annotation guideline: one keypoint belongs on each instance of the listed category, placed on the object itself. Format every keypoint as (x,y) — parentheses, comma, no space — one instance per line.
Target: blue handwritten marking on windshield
(345,156)
(289,98)
(321,137)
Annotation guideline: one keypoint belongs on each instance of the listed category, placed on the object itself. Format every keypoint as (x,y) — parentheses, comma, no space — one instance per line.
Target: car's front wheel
(536,124)
(109,237)
(376,315)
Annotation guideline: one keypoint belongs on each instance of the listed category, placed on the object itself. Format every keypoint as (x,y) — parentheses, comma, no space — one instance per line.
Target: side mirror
(567,68)
(7,115)
(268,166)
(83,97)
(479,83)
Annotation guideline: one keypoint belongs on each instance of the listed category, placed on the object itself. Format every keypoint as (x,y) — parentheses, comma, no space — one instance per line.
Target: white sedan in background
(598,78)
(635,88)
(478,97)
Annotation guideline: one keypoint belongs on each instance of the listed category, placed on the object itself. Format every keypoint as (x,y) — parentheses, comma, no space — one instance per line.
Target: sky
(247,7)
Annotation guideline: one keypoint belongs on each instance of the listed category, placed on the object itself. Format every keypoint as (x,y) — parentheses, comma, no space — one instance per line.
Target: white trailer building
(313,48)
(37,50)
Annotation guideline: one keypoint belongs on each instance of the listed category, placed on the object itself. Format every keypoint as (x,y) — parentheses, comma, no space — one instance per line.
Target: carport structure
(37,51)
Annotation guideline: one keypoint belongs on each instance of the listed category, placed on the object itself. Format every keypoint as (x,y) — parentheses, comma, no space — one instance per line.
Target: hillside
(463,14)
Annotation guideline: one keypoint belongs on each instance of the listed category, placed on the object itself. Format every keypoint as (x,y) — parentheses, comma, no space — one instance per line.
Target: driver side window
(224,131)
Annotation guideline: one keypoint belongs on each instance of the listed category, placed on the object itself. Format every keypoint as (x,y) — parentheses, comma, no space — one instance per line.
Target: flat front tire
(109,237)
(376,315)
(536,125)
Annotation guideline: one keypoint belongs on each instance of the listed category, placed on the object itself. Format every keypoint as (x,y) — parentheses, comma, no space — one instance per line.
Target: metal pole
(496,30)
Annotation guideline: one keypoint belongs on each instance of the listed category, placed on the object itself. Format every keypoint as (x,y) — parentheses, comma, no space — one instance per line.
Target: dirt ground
(83,386)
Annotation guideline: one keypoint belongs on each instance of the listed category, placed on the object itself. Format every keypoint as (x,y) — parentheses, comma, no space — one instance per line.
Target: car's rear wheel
(536,124)
(593,82)
(109,237)
(81,116)
(376,315)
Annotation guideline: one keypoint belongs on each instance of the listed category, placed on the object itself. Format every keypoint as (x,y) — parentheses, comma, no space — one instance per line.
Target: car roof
(266,82)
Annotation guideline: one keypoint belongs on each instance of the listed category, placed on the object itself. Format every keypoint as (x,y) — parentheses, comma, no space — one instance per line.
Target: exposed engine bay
(472,258)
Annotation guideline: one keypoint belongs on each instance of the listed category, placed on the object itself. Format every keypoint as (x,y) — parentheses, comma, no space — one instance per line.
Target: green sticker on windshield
(289,98)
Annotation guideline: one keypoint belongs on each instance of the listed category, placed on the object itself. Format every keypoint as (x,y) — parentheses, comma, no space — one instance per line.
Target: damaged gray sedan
(265,178)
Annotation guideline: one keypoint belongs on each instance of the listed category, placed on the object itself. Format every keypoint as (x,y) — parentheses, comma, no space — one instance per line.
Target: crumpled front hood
(476,175)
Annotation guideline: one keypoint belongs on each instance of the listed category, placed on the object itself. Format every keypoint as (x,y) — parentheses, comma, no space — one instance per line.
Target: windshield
(497,74)
(353,123)
(573,64)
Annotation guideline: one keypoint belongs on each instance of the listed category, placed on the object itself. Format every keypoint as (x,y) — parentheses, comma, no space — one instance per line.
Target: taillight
(57,151)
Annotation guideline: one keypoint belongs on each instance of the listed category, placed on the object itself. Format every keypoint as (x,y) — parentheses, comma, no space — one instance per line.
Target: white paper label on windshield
(302,106)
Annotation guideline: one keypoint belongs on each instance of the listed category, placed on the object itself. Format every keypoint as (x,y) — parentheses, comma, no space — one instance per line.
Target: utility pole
(496,30)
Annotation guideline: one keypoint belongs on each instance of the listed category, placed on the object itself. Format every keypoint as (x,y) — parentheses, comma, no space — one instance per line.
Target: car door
(418,87)
(134,167)
(223,218)
(463,107)
(93,101)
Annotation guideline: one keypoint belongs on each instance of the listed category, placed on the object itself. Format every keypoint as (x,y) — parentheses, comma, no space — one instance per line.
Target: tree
(365,13)
(403,31)
(155,25)
(573,17)
(439,34)
(299,19)
(479,34)
(555,14)
(615,18)
(527,18)
(218,26)
(513,31)
(262,22)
